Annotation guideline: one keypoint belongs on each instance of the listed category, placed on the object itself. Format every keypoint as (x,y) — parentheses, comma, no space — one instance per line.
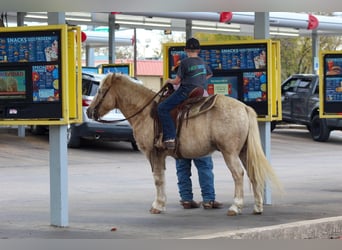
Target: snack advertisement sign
(29,49)
(45,83)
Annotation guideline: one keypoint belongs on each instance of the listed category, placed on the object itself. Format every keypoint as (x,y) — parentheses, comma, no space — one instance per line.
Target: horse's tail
(259,169)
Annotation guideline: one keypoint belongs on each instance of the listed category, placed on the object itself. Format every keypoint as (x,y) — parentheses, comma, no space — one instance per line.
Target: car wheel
(319,129)
(134,146)
(74,141)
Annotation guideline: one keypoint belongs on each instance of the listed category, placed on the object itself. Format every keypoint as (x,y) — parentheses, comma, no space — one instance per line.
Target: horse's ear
(113,76)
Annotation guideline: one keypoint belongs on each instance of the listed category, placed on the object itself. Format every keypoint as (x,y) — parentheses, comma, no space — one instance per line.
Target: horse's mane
(135,87)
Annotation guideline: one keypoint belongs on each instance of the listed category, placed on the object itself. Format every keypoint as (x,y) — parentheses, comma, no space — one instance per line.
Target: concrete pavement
(111,190)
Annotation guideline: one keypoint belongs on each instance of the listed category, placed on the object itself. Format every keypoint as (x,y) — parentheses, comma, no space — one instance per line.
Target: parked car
(300,105)
(90,129)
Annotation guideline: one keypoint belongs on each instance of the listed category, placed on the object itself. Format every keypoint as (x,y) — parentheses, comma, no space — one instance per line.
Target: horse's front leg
(158,168)
(159,203)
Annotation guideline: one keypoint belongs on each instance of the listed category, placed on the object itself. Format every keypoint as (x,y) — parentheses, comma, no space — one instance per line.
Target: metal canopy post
(111,38)
(20,22)
(188,28)
(261,31)
(315,51)
(58,160)
(58,175)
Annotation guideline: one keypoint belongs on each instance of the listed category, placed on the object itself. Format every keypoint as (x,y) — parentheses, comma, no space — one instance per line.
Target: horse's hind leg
(235,168)
(158,168)
(258,200)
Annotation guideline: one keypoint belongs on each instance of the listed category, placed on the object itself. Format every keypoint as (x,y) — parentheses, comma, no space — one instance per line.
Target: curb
(324,228)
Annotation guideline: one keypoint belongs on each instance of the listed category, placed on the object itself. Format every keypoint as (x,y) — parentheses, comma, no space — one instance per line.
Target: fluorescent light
(36,16)
(215,29)
(165,25)
(78,19)
(283,34)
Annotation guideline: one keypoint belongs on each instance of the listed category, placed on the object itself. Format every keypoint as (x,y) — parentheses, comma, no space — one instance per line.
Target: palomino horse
(230,127)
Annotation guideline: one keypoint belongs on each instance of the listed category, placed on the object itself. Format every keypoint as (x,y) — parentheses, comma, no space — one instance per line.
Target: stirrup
(170,144)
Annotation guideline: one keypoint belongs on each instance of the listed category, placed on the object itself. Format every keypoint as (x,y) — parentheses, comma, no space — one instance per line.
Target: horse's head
(103,101)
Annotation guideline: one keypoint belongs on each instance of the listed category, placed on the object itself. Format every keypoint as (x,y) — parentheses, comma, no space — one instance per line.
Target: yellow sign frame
(274,108)
(71,80)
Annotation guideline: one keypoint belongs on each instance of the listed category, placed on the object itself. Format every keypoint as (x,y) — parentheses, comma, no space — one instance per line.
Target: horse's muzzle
(92,114)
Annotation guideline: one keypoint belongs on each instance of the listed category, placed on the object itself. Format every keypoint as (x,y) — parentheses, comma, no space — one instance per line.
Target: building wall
(152,82)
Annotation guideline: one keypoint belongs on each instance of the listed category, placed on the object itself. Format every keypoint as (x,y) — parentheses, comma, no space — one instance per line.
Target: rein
(161,91)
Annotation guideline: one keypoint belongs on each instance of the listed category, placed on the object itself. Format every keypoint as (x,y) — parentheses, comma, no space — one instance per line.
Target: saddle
(195,105)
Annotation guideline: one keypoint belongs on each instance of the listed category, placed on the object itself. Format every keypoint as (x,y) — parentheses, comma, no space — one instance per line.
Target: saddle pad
(202,106)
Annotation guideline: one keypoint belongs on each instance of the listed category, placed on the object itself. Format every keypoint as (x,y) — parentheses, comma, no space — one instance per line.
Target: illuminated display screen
(122,69)
(29,48)
(254,86)
(90,70)
(332,83)
(224,85)
(13,84)
(45,83)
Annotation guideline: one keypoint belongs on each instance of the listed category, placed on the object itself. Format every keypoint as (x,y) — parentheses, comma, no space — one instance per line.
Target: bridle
(160,92)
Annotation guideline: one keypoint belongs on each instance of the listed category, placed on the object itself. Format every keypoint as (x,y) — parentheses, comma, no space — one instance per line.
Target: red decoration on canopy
(226,17)
(114,13)
(83,36)
(313,22)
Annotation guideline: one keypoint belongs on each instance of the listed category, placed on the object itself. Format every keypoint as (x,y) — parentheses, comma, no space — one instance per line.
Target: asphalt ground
(111,190)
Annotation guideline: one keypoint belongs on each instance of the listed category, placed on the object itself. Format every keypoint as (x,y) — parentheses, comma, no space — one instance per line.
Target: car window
(304,86)
(290,86)
(89,87)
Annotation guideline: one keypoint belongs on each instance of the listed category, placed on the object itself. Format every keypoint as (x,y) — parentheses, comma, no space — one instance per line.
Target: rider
(192,72)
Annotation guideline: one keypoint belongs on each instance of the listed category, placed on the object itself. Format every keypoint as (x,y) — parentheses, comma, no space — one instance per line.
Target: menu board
(39,50)
(332,83)
(235,58)
(221,58)
(31,61)
(254,86)
(333,89)
(29,49)
(45,83)
(239,71)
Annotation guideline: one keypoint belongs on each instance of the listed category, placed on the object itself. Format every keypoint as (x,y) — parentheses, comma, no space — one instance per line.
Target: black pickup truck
(300,105)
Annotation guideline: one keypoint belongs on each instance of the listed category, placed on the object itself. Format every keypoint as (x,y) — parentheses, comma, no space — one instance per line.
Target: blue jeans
(165,107)
(204,167)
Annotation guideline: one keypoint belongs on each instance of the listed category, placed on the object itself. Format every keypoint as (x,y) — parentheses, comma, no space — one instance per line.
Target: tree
(296,53)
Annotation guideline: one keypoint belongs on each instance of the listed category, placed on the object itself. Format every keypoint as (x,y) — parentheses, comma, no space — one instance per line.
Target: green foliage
(209,37)
(296,53)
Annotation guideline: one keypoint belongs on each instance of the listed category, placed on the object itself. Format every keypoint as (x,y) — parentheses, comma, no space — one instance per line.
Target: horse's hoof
(257,210)
(155,211)
(231,213)
(257,213)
